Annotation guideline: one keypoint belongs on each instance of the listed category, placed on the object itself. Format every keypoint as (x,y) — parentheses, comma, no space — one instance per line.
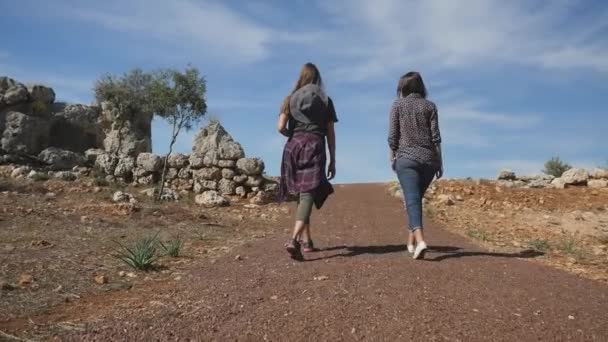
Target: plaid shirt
(303,168)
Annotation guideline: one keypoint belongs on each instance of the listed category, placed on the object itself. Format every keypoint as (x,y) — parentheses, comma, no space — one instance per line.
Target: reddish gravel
(362,286)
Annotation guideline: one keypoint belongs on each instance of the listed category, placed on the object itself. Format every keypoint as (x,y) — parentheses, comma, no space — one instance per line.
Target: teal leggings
(305,203)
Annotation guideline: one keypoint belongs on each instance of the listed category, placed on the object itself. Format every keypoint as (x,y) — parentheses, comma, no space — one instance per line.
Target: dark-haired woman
(307,118)
(415,151)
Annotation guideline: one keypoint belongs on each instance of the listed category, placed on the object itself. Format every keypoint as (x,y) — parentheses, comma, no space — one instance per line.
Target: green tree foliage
(556,167)
(179,98)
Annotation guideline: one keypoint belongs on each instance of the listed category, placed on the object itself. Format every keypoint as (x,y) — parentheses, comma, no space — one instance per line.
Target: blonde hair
(308,75)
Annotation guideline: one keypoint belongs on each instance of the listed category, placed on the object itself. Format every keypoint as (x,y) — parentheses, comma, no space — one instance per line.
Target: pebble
(101,279)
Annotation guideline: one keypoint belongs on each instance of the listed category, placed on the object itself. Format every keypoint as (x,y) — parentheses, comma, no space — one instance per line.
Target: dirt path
(362,286)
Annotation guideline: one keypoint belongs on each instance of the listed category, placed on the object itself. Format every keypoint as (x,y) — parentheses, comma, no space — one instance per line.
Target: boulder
(169,195)
(254,181)
(147,179)
(250,166)
(240,179)
(40,93)
(106,163)
(260,198)
(226,187)
(185,173)
(124,167)
(211,159)
(67,176)
(24,134)
(230,164)
(539,183)
(149,162)
(271,187)
(196,161)
(598,183)
(59,159)
(214,138)
(123,197)
(178,160)
(506,175)
(208,173)
(92,154)
(599,174)
(575,176)
(171,174)
(558,183)
(211,199)
(241,191)
(20,172)
(228,174)
(12,92)
(204,185)
(445,199)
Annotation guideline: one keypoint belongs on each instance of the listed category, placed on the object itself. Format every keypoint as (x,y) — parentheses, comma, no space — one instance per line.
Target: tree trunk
(176,129)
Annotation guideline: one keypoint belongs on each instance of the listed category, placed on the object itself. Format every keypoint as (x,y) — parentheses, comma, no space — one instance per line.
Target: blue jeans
(415,179)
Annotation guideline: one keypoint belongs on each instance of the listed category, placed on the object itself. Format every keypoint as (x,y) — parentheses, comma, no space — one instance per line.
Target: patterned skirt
(303,168)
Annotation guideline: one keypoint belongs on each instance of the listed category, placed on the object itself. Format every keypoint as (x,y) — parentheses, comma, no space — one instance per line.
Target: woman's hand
(439,172)
(331,170)
(282,124)
(393,161)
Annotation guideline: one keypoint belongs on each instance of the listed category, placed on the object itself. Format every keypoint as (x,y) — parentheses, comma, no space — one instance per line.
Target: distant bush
(556,167)
(40,108)
(540,245)
(40,177)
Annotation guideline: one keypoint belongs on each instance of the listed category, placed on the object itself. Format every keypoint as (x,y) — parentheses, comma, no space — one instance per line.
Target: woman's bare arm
(282,124)
(331,142)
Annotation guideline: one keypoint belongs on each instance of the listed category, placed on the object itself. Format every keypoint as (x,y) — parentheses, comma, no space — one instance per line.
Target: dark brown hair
(308,75)
(411,83)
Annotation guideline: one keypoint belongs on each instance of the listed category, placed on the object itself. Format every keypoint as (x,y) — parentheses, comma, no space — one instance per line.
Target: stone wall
(597,178)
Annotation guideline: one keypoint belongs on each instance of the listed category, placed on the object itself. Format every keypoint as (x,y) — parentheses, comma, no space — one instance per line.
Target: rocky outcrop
(575,176)
(130,135)
(59,159)
(214,140)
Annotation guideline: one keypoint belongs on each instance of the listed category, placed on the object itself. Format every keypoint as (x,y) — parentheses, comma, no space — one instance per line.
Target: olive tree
(128,95)
(556,167)
(179,98)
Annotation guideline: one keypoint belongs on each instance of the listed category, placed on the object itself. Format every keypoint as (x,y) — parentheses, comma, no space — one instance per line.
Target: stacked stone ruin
(67,141)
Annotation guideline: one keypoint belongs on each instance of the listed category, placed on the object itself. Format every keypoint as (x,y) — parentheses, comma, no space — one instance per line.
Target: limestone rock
(171,174)
(123,197)
(211,158)
(558,183)
(12,92)
(21,171)
(260,198)
(230,164)
(445,199)
(129,135)
(185,173)
(575,176)
(598,183)
(169,195)
(599,174)
(24,134)
(59,159)
(226,187)
(40,93)
(250,166)
(228,174)
(124,167)
(254,181)
(241,191)
(215,138)
(92,154)
(240,179)
(506,175)
(106,163)
(196,161)
(67,176)
(209,173)
(178,160)
(211,199)
(149,162)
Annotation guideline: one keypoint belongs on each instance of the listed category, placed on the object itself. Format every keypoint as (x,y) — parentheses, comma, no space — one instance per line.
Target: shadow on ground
(445,252)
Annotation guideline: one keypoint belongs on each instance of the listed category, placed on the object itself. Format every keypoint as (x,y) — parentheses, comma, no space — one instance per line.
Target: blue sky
(516,82)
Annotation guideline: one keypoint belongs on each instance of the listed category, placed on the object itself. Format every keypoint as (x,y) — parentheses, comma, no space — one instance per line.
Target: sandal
(308,247)
(293,248)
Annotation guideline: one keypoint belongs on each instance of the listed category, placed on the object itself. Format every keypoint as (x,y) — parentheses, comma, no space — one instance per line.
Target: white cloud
(440,34)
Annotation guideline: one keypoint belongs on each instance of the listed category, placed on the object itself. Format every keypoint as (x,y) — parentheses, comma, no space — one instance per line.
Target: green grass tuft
(142,256)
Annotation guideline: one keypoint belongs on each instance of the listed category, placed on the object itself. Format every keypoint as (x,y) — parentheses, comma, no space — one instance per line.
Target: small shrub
(556,167)
(569,247)
(173,247)
(40,108)
(40,177)
(478,235)
(99,177)
(540,245)
(142,256)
